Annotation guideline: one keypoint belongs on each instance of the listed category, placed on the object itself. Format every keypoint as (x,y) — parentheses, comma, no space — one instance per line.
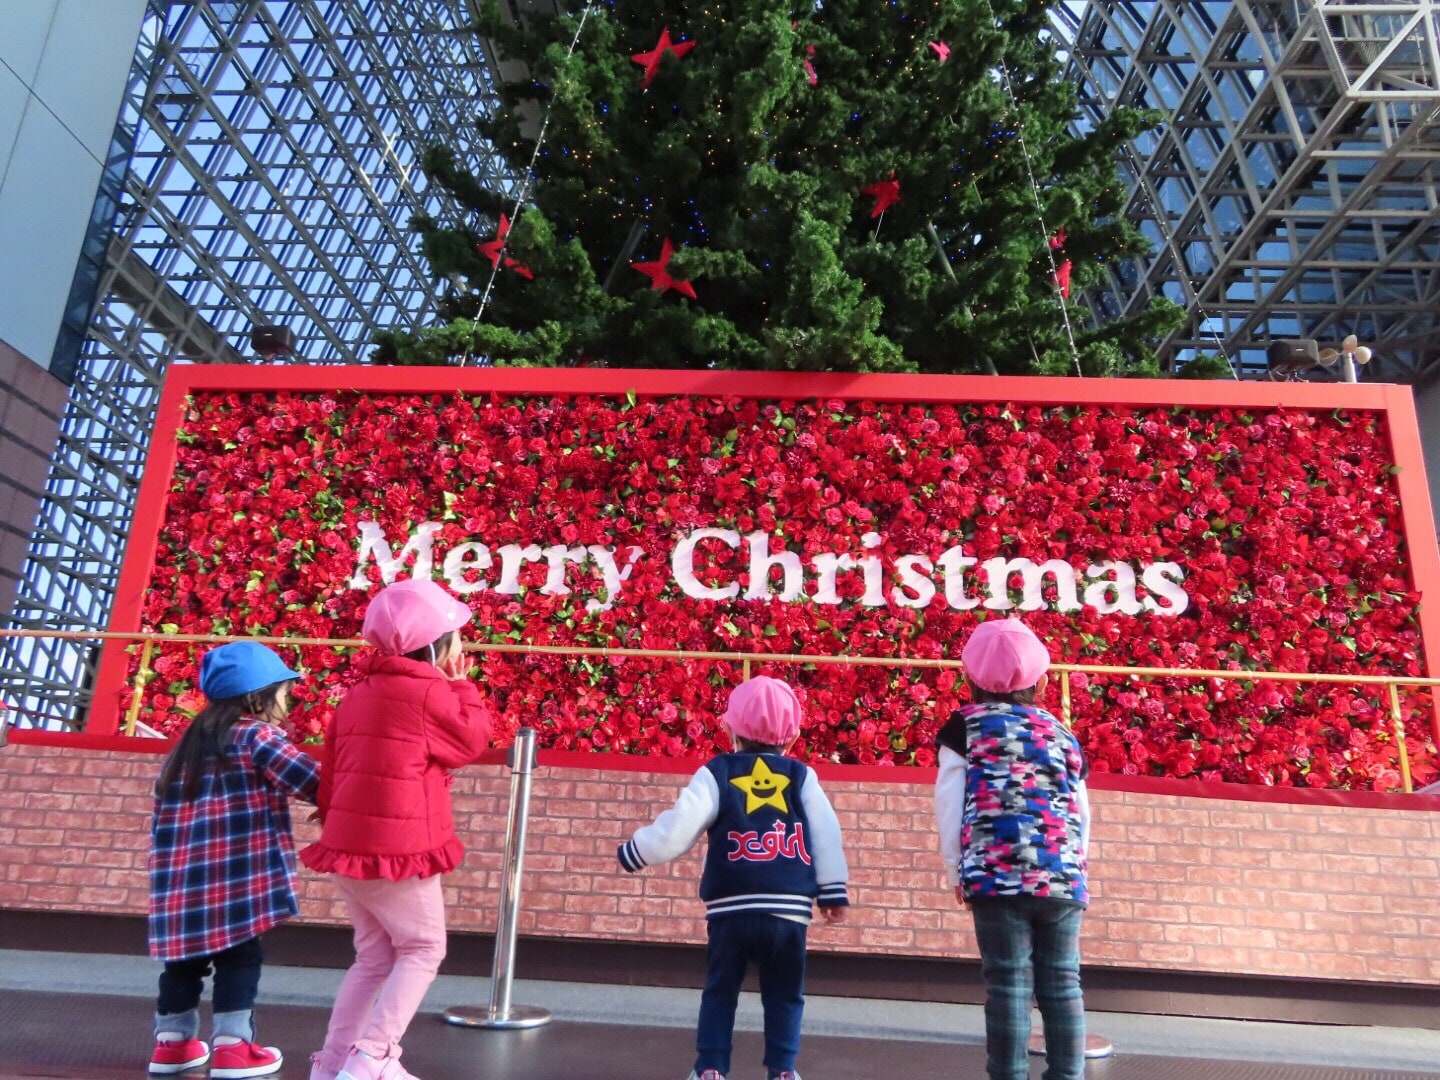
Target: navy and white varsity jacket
(774,839)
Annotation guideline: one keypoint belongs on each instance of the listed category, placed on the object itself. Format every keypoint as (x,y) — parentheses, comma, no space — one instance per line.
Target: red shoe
(177,1056)
(234,1061)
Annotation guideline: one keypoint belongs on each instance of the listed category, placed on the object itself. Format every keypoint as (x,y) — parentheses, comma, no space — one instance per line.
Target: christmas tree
(867,185)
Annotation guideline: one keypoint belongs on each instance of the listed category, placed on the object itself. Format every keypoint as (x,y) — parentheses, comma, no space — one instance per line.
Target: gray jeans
(1030,947)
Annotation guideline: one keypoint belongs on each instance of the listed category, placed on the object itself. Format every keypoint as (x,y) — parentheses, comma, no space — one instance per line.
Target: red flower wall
(1285,522)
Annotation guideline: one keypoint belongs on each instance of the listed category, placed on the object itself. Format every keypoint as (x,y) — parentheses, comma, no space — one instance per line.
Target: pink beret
(1004,655)
(764,710)
(409,615)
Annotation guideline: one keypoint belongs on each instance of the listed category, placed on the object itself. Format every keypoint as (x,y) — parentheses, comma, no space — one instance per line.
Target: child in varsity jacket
(774,851)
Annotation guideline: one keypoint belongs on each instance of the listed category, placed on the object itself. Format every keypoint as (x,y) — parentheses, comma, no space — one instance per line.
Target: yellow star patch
(763,788)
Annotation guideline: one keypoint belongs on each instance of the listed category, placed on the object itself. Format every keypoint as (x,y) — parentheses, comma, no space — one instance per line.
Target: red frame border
(1395,402)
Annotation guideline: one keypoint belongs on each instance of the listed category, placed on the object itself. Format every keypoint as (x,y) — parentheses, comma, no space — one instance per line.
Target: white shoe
(708,1074)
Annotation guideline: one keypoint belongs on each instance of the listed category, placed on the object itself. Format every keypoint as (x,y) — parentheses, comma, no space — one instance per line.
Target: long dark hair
(203,743)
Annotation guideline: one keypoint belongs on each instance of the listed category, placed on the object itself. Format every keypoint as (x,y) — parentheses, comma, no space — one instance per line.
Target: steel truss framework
(1293,191)
(274,172)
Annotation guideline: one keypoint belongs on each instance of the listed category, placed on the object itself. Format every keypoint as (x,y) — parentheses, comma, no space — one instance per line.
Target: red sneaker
(176,1056)
(234,1061)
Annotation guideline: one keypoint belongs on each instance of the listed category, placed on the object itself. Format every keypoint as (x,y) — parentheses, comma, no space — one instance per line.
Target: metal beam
(274,175)
(1301,160)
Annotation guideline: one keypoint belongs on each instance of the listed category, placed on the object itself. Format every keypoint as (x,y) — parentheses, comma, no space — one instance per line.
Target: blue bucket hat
(240,667)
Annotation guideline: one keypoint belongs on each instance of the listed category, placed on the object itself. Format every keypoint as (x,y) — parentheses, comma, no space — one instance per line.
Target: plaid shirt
(222,866)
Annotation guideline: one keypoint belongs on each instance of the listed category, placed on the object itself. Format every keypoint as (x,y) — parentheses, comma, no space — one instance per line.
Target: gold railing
(1391,683)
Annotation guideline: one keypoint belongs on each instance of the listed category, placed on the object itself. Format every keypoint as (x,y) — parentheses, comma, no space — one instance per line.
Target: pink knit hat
(1004,655)
(409,615)
(763,710)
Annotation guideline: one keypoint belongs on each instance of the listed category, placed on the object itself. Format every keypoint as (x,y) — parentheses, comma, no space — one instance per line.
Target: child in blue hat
(222,860)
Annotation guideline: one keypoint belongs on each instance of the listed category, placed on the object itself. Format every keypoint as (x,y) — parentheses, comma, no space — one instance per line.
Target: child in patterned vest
(1014,820)
(774,851)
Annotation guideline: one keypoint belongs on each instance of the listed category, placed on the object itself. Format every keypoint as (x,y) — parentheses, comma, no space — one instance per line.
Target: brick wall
(31,400)
(1179,883)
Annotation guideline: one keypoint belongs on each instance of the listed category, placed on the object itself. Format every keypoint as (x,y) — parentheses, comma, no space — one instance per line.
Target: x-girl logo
(755,846)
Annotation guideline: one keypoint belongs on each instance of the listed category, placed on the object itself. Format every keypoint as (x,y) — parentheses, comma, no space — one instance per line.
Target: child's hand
(960,895)
(833,914)
(454,667)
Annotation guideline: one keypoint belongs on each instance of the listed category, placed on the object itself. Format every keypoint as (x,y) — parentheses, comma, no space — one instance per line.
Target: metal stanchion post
(500,1013)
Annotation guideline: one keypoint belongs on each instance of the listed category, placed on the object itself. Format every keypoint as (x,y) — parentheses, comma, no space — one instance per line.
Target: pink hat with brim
(1004,655)
(409,615)
(763,710)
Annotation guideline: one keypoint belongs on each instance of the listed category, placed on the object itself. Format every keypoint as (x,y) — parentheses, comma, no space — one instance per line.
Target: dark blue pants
(777,949)
(237,980)
(1030,946)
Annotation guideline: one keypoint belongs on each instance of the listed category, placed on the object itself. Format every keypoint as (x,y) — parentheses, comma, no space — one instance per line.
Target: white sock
(227,1040)
(169,1036)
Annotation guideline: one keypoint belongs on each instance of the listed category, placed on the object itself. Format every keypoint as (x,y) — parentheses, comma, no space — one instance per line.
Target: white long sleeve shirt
(769,851)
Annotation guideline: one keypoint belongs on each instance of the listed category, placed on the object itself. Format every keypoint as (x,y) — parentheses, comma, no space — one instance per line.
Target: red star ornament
(492,249)
(660,276)
(1062,279)
(1062,270)
(885,192)
(650,61)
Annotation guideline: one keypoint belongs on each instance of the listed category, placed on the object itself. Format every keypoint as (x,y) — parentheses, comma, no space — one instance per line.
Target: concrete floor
(88,1018)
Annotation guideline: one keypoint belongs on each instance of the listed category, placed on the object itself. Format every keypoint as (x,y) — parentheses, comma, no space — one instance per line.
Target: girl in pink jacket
(387,830)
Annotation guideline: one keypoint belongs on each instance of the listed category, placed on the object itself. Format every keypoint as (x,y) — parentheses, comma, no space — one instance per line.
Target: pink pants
(399,943)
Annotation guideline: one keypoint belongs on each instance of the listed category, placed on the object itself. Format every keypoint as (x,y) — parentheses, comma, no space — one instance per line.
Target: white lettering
(922,589)
(463,557)
(874,572)
(682,564)
(612,575)
(955,562)
(512,558)
(373,544)
(1032,590)
(1164,579)
(904,580)
(1114,595)
(762,562)
(828,565)
(557,556)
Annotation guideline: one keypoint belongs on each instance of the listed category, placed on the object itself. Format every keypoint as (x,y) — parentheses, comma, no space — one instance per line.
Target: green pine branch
(757,178)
